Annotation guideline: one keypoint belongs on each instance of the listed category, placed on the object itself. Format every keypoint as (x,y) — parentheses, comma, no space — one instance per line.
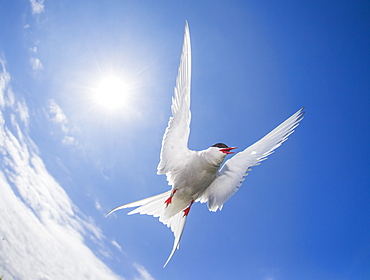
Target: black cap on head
(220,145)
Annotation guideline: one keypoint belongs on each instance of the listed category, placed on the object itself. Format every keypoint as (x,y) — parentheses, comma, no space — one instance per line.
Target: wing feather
(175,139)
(233,172)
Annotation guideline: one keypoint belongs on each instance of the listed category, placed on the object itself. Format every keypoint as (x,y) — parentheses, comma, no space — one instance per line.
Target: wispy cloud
(42,233)
(22,111)
(37,6)
(7,98)
(57,116)
(36,64)
(98,206)
(115,244)
(4,81)
(143,273)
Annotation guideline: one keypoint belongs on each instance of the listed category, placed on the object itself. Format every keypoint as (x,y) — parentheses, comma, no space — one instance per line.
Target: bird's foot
(169,200)
(187,209)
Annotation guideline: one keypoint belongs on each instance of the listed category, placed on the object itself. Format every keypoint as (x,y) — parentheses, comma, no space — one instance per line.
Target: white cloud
(37,6)
(97,205)
(36,64)
(57,116)
(42,233)
(7,98)
(33,50)
(4,81)
(115,244)
(68,140)
(143,273)
(22,110)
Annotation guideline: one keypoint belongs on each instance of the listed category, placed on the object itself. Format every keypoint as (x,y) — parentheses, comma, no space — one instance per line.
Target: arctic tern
(196,176)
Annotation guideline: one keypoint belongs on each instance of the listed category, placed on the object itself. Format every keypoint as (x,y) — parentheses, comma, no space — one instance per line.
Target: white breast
(198,173)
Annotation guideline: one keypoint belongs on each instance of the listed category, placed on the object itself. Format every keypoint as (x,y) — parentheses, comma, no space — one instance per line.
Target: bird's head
(223,148)
(216,154)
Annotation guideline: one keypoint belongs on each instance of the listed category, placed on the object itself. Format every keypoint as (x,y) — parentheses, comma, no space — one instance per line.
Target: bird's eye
(220,145)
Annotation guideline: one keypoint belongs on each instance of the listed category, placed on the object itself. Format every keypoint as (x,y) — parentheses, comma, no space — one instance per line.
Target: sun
(114,96)
(111,93)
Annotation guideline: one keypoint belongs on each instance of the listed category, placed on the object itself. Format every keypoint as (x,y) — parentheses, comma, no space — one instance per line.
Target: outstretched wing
(233,172)
(175,139)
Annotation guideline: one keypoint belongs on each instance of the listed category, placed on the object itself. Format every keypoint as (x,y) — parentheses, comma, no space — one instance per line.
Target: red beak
(227,150)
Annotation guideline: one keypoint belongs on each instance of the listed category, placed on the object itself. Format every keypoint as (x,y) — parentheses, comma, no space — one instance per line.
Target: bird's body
(198,175)
(198,171)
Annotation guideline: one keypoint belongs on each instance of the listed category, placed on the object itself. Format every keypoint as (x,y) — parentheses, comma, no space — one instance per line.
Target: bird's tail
(156,207)
(153,205)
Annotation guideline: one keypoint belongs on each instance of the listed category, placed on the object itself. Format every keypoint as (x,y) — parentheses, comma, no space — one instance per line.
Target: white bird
(196,175)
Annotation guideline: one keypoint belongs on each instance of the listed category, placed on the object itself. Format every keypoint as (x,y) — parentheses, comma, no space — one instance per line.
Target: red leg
(187,209)
(169,200)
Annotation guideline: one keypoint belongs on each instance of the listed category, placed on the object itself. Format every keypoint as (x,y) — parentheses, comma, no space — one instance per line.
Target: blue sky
(67,159)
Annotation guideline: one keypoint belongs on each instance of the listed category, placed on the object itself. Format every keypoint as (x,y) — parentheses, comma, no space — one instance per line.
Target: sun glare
(113,96)
(111,93)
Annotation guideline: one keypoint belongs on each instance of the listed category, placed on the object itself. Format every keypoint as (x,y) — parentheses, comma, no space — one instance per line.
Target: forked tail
(156,207)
